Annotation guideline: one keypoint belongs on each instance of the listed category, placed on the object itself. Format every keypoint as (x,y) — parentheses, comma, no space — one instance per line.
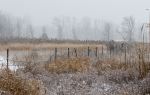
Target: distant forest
(70,29)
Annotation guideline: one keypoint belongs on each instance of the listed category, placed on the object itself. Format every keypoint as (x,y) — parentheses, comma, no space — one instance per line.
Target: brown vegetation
(108,65)
(16,85)
(30,46)
(71,65)
(96,69)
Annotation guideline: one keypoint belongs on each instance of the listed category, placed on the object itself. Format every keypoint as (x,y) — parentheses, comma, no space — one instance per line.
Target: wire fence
(123,55)
(15,59)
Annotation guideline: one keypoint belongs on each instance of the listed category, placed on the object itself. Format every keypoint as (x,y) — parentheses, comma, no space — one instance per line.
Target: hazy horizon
(41,12)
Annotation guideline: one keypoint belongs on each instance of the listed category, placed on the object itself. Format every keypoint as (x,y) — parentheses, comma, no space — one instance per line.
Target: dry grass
(30,46)
(143,66)
(71,65)
(145,86)
(109,64)
(17,86)
(31,64)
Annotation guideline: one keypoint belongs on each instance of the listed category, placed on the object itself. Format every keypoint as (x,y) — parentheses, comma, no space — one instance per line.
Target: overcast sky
(42,11)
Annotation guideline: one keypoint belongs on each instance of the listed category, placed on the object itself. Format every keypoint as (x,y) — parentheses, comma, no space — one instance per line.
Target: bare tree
(99,29)
(107,31)
(74,30)
(44,34)
(59,24)
(29,32)
(86,28)
(6,27)
(18,28)
(128,27)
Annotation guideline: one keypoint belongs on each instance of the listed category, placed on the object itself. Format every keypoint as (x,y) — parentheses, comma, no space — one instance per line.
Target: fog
(41,13)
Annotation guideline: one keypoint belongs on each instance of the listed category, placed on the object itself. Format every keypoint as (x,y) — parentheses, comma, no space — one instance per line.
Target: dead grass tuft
(17,86)
(109,64)
(71,65)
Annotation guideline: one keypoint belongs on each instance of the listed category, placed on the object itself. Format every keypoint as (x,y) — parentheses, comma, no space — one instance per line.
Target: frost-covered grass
(77,76)
(3,64)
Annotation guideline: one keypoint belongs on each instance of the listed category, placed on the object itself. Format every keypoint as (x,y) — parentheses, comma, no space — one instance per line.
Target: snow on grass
(3,64)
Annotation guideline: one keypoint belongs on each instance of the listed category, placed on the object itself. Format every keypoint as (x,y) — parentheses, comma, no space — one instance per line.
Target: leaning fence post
(7,58)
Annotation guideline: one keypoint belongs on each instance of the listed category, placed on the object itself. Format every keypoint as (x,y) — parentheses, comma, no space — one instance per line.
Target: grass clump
(108,65)
(71,65)
(17,86)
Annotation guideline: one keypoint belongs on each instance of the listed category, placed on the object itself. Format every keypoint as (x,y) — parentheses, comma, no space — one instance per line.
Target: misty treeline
(14,28)
(62,28)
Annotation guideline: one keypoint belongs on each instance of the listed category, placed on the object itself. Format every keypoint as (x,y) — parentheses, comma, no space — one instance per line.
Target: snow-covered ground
(3,64)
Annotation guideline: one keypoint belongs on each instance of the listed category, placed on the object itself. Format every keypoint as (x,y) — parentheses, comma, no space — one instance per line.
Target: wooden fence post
(96,52)
(125,56)
(7,59)
(102,51)
(110,51)
(88,51)
(55,53)
(68,53)
(75,50)
(113,51)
